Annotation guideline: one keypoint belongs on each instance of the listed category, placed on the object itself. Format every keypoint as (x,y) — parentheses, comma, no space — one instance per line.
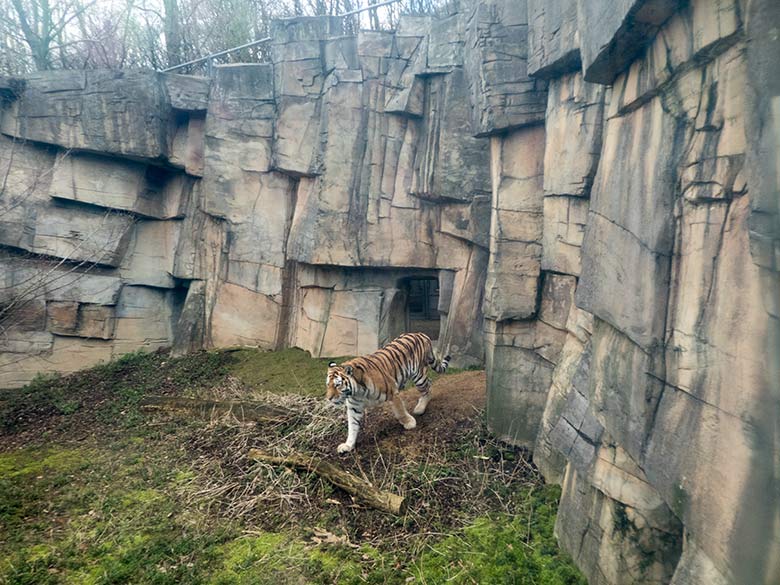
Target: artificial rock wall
(594,184)
(279,204)
(657,405)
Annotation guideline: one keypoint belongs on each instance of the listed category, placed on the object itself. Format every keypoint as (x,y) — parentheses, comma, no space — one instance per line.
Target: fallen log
(350,483)
(243,411)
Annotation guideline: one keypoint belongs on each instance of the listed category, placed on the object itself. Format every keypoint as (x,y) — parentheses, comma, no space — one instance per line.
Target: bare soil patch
(457,405)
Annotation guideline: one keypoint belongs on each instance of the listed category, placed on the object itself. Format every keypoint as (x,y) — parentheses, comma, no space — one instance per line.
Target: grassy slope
(104,495)
(288,370)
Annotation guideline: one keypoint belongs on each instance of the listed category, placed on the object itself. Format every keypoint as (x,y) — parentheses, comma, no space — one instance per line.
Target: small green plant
(621,523)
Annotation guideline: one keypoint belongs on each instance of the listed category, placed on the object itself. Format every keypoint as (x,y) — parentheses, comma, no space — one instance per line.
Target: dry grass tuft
(458,475)
(241,487)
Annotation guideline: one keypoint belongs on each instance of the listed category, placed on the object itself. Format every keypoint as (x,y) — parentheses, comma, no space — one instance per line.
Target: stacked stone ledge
(236,210)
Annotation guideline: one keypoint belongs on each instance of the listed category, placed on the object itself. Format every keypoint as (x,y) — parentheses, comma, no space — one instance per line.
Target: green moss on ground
(115,514)
(98,514)
(116,504)
(289,370)
(519,549)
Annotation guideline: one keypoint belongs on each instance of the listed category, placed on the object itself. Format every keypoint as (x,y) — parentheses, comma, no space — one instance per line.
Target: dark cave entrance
(422,305)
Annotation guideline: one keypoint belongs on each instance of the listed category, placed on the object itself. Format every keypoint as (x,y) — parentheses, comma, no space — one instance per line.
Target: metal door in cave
(423,305)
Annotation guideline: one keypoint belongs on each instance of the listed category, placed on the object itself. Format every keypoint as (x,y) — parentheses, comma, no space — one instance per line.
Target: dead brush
(454,479)
(242,488)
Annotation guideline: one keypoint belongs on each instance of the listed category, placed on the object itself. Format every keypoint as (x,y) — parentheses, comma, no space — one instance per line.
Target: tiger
(369,380)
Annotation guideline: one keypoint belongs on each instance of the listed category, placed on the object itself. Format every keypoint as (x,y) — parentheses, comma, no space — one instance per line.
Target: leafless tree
(79,34)
(42,24)
(172,26)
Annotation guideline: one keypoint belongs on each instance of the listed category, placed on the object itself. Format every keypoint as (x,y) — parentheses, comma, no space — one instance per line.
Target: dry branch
(243,411)
(352,484)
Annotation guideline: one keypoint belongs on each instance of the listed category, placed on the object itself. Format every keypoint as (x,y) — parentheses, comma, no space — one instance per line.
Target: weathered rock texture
(246,209)
(594,184)
(661,415)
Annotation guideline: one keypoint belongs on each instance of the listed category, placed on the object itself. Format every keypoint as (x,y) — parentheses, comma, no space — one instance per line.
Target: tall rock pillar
(525,310)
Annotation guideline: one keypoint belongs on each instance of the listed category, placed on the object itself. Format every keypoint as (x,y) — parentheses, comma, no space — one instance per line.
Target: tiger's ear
(357,373)
(332,365)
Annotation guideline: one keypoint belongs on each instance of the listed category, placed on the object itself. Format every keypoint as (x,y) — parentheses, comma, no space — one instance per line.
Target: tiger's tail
(439,366)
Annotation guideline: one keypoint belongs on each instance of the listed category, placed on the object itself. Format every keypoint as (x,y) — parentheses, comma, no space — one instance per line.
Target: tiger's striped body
(369,380)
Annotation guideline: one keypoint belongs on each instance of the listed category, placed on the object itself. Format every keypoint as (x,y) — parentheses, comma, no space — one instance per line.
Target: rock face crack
(700,321)
(633,235)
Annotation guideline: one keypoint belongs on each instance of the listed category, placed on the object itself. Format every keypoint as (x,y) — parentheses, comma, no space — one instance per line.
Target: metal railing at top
(266,39)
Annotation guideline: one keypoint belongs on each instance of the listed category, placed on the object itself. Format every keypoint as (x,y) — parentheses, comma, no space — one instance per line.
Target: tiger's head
(339,383)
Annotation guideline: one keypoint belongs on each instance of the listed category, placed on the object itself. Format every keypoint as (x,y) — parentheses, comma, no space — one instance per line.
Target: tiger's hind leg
(399,410)
(423,384)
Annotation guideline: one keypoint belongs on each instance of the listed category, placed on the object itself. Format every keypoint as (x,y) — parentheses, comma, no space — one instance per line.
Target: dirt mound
(457,403)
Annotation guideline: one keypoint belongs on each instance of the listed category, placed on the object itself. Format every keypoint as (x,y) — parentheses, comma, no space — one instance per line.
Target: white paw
(344,448)
(410,424)
(421,405)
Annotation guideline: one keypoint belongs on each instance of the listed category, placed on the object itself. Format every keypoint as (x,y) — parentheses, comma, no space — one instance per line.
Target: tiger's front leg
(354,418)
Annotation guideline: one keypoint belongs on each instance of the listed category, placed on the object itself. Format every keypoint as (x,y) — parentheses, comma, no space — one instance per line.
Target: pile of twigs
(442,488)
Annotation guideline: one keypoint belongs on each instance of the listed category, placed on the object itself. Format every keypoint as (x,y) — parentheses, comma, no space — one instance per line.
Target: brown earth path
(458,400)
